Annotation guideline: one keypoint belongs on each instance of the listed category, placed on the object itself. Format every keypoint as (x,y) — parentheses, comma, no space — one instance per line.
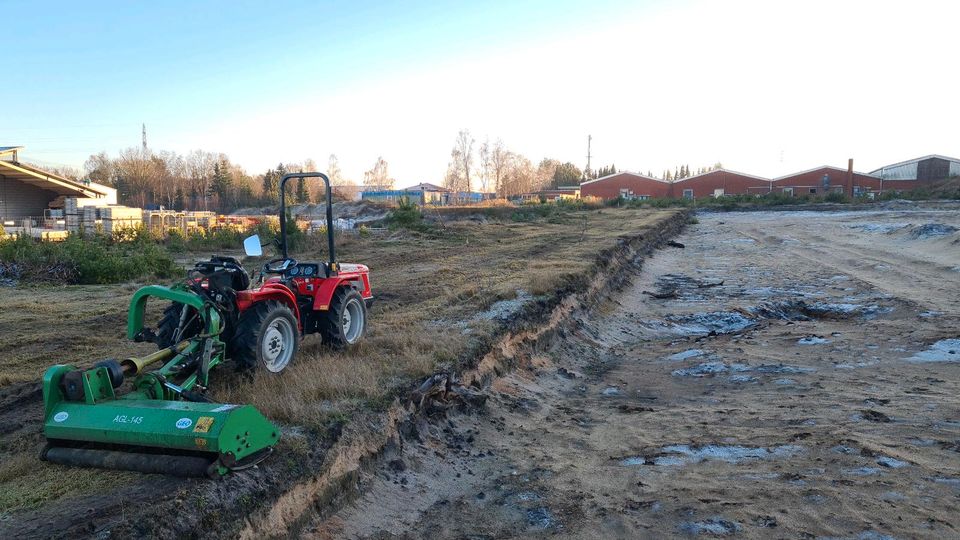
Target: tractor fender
(269,291)
(329,286)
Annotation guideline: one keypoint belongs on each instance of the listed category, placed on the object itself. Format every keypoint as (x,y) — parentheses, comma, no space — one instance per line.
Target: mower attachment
(165,424)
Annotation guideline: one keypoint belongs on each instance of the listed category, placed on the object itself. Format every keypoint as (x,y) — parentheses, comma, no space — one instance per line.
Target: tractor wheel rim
(352,321)
(277,345)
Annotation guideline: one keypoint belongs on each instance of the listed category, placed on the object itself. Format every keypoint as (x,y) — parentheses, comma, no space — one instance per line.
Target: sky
(763,87)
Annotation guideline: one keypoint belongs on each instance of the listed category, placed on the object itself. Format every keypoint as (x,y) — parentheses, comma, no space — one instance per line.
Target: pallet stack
(72,218)
(118,218)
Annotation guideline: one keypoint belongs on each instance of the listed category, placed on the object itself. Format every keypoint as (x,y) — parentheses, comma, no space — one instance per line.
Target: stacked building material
(118,218)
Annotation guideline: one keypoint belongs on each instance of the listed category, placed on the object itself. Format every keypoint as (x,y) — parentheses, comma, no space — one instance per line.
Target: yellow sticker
(203,424)
(200,442)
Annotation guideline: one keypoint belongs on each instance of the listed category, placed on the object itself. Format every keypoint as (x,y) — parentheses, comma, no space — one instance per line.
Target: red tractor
(264,324)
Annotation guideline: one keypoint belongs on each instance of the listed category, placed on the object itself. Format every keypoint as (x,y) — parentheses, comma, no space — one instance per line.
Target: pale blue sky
(765,83)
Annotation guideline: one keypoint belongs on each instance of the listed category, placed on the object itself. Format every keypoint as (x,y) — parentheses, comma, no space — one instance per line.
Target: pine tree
(302,196)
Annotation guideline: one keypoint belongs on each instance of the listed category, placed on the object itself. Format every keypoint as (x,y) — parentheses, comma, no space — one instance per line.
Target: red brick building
(718,183)
(626,184)
(823,180)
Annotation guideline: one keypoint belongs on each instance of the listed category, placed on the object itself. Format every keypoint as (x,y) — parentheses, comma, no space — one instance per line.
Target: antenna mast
(586,172)
(144,137)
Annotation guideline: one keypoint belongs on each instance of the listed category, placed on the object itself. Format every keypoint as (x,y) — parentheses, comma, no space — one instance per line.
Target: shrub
(95,260)
(406,215)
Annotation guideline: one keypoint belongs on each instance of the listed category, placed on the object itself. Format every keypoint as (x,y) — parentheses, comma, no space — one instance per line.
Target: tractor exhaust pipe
(283,214)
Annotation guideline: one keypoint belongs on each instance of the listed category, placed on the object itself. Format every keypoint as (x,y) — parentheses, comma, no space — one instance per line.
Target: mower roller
(166,423)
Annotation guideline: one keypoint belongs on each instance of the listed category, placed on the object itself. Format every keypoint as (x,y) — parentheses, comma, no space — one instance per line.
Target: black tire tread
(168,325)
(331,332)
(247,335)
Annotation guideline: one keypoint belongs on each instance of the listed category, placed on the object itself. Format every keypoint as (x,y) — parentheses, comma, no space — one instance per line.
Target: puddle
(861,471)
(683,454)
(713,526)
(785,382)
(611,391)
(743,379)
(945,350)
(708,369)
(540,518)
(812,340)
(931,230)
(884,228)
(891,463)
(729,322)
(683,355)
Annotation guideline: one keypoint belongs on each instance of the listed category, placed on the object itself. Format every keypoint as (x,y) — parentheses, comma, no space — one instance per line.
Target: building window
(788,191)
(718,193)
(688,194)
(643,197)
(813,191)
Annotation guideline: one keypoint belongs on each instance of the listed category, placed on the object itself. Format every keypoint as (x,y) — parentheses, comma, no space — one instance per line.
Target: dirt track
(772,379)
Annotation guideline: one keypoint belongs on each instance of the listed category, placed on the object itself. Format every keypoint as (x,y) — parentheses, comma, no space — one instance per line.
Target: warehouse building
(924,169)
(29,193)
(720,182)
(627,185)
(823,180)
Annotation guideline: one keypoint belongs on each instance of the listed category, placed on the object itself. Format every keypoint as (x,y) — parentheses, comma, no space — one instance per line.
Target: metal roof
(620,173)
(915,160)
(29,174)
(681,180)
(817,169)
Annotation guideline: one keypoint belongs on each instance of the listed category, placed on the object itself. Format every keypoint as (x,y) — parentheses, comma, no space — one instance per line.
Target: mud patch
(945,350)
(713,526)
(684,454)
(931,230)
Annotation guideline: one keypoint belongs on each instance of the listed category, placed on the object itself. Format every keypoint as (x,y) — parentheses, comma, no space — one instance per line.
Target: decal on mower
(184,423)
(124,419)
(61,416)
(203,424)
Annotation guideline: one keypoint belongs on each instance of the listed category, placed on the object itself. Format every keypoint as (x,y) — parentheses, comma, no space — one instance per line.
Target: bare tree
(99,169)
(463,157)
(499,161)
(379,176)
(342,188)
(485,165)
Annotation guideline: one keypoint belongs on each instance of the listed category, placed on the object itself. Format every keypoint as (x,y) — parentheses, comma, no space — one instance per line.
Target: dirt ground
(785,374)
(442,296)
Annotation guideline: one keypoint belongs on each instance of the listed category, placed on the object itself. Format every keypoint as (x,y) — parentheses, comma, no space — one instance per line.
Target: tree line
(494,168)
(203,180)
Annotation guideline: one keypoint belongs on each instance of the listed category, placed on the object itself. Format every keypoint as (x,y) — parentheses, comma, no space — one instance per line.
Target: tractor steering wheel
(271,267)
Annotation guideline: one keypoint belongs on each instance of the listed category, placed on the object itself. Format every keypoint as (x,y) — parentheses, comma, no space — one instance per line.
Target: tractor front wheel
(345,322)
(267,335)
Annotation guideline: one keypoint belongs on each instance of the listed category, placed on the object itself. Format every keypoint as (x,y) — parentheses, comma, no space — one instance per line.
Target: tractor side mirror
(251,245)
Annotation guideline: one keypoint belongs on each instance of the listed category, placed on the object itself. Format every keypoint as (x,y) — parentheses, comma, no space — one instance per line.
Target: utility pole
(144,137)
(586,172)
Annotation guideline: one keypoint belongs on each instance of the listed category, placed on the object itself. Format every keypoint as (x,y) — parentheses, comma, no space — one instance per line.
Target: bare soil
(784,374)
(443,299)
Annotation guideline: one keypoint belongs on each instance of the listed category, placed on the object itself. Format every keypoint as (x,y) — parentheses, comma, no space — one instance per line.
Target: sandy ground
(783,375)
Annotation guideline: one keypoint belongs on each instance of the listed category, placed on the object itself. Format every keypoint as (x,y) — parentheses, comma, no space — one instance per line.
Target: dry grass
(430,289)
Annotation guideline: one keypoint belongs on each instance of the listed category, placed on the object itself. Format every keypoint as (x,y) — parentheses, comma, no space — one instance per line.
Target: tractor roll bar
(283,214)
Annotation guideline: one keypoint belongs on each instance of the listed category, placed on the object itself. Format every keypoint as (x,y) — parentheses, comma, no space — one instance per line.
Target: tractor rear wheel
(171,320)
(267,335)
(345,323)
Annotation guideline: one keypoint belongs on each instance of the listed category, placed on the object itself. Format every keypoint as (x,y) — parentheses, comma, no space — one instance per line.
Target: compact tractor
(166,422)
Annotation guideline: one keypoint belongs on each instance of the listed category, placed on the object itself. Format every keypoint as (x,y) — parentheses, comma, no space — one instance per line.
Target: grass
(430,288)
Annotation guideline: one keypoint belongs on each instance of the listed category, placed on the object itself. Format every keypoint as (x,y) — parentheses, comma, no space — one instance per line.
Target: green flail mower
(161,426)
(166,423)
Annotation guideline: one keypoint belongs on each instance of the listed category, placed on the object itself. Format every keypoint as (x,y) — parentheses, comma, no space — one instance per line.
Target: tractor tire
(169,323)
(267,335)
(345,323)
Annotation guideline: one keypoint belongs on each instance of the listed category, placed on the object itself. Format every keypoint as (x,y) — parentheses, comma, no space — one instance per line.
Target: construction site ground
(782,375)
(444,297)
